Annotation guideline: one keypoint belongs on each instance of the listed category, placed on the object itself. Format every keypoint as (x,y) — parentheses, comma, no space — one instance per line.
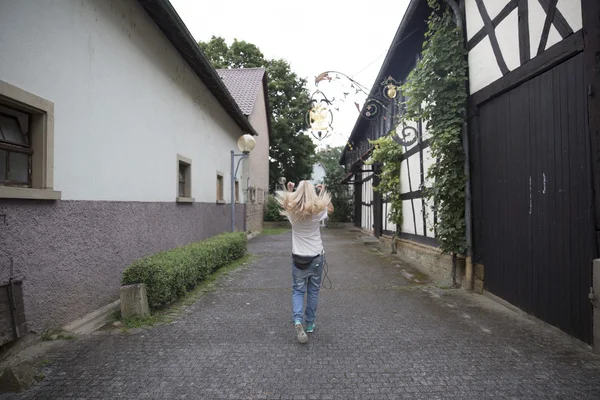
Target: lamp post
(246,144)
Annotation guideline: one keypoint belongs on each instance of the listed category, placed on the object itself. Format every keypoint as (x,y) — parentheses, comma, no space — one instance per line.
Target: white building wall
(259,157)
(508,40)
(571,10)
(318,174)
(411,167)
(408,225)
(387,209)
(125,101)
(367,197)
(474,20)
(483,67)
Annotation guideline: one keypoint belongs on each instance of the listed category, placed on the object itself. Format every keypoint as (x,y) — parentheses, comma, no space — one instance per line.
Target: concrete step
(370,240)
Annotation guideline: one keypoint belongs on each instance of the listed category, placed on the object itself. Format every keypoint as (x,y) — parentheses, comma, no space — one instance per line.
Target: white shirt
(306,235)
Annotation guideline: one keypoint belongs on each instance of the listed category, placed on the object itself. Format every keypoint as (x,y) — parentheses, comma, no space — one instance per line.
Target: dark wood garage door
(535,230)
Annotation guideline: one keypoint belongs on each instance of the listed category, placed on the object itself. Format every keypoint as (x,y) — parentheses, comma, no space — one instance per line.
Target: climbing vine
(387,156)
(435,93)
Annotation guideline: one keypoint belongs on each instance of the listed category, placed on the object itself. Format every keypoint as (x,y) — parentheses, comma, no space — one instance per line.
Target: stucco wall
(259,157)
(258,165)
(70,254)
(125,101)
(125,105)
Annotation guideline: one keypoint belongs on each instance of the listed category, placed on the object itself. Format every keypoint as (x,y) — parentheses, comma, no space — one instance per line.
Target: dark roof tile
(244,85)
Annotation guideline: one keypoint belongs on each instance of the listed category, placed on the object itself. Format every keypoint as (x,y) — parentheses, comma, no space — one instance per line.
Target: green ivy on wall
(388,155)
(436,94)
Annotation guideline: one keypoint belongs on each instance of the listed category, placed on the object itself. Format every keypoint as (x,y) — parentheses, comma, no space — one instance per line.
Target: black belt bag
(303,262)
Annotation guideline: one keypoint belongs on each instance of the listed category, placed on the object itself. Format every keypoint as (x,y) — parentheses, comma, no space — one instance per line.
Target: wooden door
(536,233)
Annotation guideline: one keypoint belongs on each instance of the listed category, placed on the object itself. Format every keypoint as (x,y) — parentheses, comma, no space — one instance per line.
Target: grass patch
(273,231)
(50,334)
(421,277)
(45,362)
(115,316)
(168,314)
(139,322)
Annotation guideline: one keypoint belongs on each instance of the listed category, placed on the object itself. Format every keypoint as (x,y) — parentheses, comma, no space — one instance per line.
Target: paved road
(378,337)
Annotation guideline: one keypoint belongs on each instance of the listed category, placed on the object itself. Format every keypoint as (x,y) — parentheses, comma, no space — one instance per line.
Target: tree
(292,154)
(334,173)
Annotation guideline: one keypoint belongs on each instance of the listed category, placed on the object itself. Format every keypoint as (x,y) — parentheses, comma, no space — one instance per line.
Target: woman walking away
(305,209)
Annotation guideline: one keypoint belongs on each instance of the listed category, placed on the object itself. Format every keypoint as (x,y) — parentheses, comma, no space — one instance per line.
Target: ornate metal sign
(407,136)
(319,117)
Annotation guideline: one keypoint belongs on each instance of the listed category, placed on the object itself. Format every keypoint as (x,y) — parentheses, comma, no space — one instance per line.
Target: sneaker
(302,338)
(310,328)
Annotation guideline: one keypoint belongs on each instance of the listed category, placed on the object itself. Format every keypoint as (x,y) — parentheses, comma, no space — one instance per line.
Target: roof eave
(398,37)
(168,21)
(267,103)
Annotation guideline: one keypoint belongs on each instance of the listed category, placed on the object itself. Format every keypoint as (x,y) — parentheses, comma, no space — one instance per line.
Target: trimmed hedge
(170,274)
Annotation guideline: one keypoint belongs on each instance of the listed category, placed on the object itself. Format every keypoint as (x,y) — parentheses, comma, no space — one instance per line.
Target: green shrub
(170,274)
(273,212)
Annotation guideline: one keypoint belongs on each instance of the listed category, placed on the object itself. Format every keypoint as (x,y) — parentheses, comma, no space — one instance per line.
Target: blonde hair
(304,202)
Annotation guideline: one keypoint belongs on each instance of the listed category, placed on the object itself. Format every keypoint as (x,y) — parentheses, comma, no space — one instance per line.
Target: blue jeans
(306,280)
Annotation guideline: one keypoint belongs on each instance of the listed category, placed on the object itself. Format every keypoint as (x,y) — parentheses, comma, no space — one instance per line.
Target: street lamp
(282,182)
(246,144)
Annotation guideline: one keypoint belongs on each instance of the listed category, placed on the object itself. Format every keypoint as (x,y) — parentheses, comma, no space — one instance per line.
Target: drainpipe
(465,141)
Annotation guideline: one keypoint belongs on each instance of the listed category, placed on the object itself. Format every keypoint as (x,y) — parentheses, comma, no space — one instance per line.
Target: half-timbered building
(534,140)
(371,207)
(533,70)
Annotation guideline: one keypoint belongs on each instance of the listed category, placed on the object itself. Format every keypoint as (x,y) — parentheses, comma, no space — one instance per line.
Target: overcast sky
(315,36)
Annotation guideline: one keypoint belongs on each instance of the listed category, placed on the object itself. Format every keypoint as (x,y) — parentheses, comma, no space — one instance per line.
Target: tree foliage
(292,154)
(436,95)
(334,173)
(240,54)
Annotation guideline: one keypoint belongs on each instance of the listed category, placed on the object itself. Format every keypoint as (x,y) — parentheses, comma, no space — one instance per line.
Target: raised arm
(320,187)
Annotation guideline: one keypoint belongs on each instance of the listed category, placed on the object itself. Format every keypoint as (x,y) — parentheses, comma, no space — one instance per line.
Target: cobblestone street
(378,336)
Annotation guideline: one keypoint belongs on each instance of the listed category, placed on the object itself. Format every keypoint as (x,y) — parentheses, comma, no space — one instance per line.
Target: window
(237,191)
(15,148)
(220,188)
(184,180)
(26,145)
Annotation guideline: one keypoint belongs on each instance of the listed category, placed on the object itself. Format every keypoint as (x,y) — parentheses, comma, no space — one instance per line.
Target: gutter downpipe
(465,141)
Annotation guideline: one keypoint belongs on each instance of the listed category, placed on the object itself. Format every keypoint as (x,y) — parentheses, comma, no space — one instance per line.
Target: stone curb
(94,320)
